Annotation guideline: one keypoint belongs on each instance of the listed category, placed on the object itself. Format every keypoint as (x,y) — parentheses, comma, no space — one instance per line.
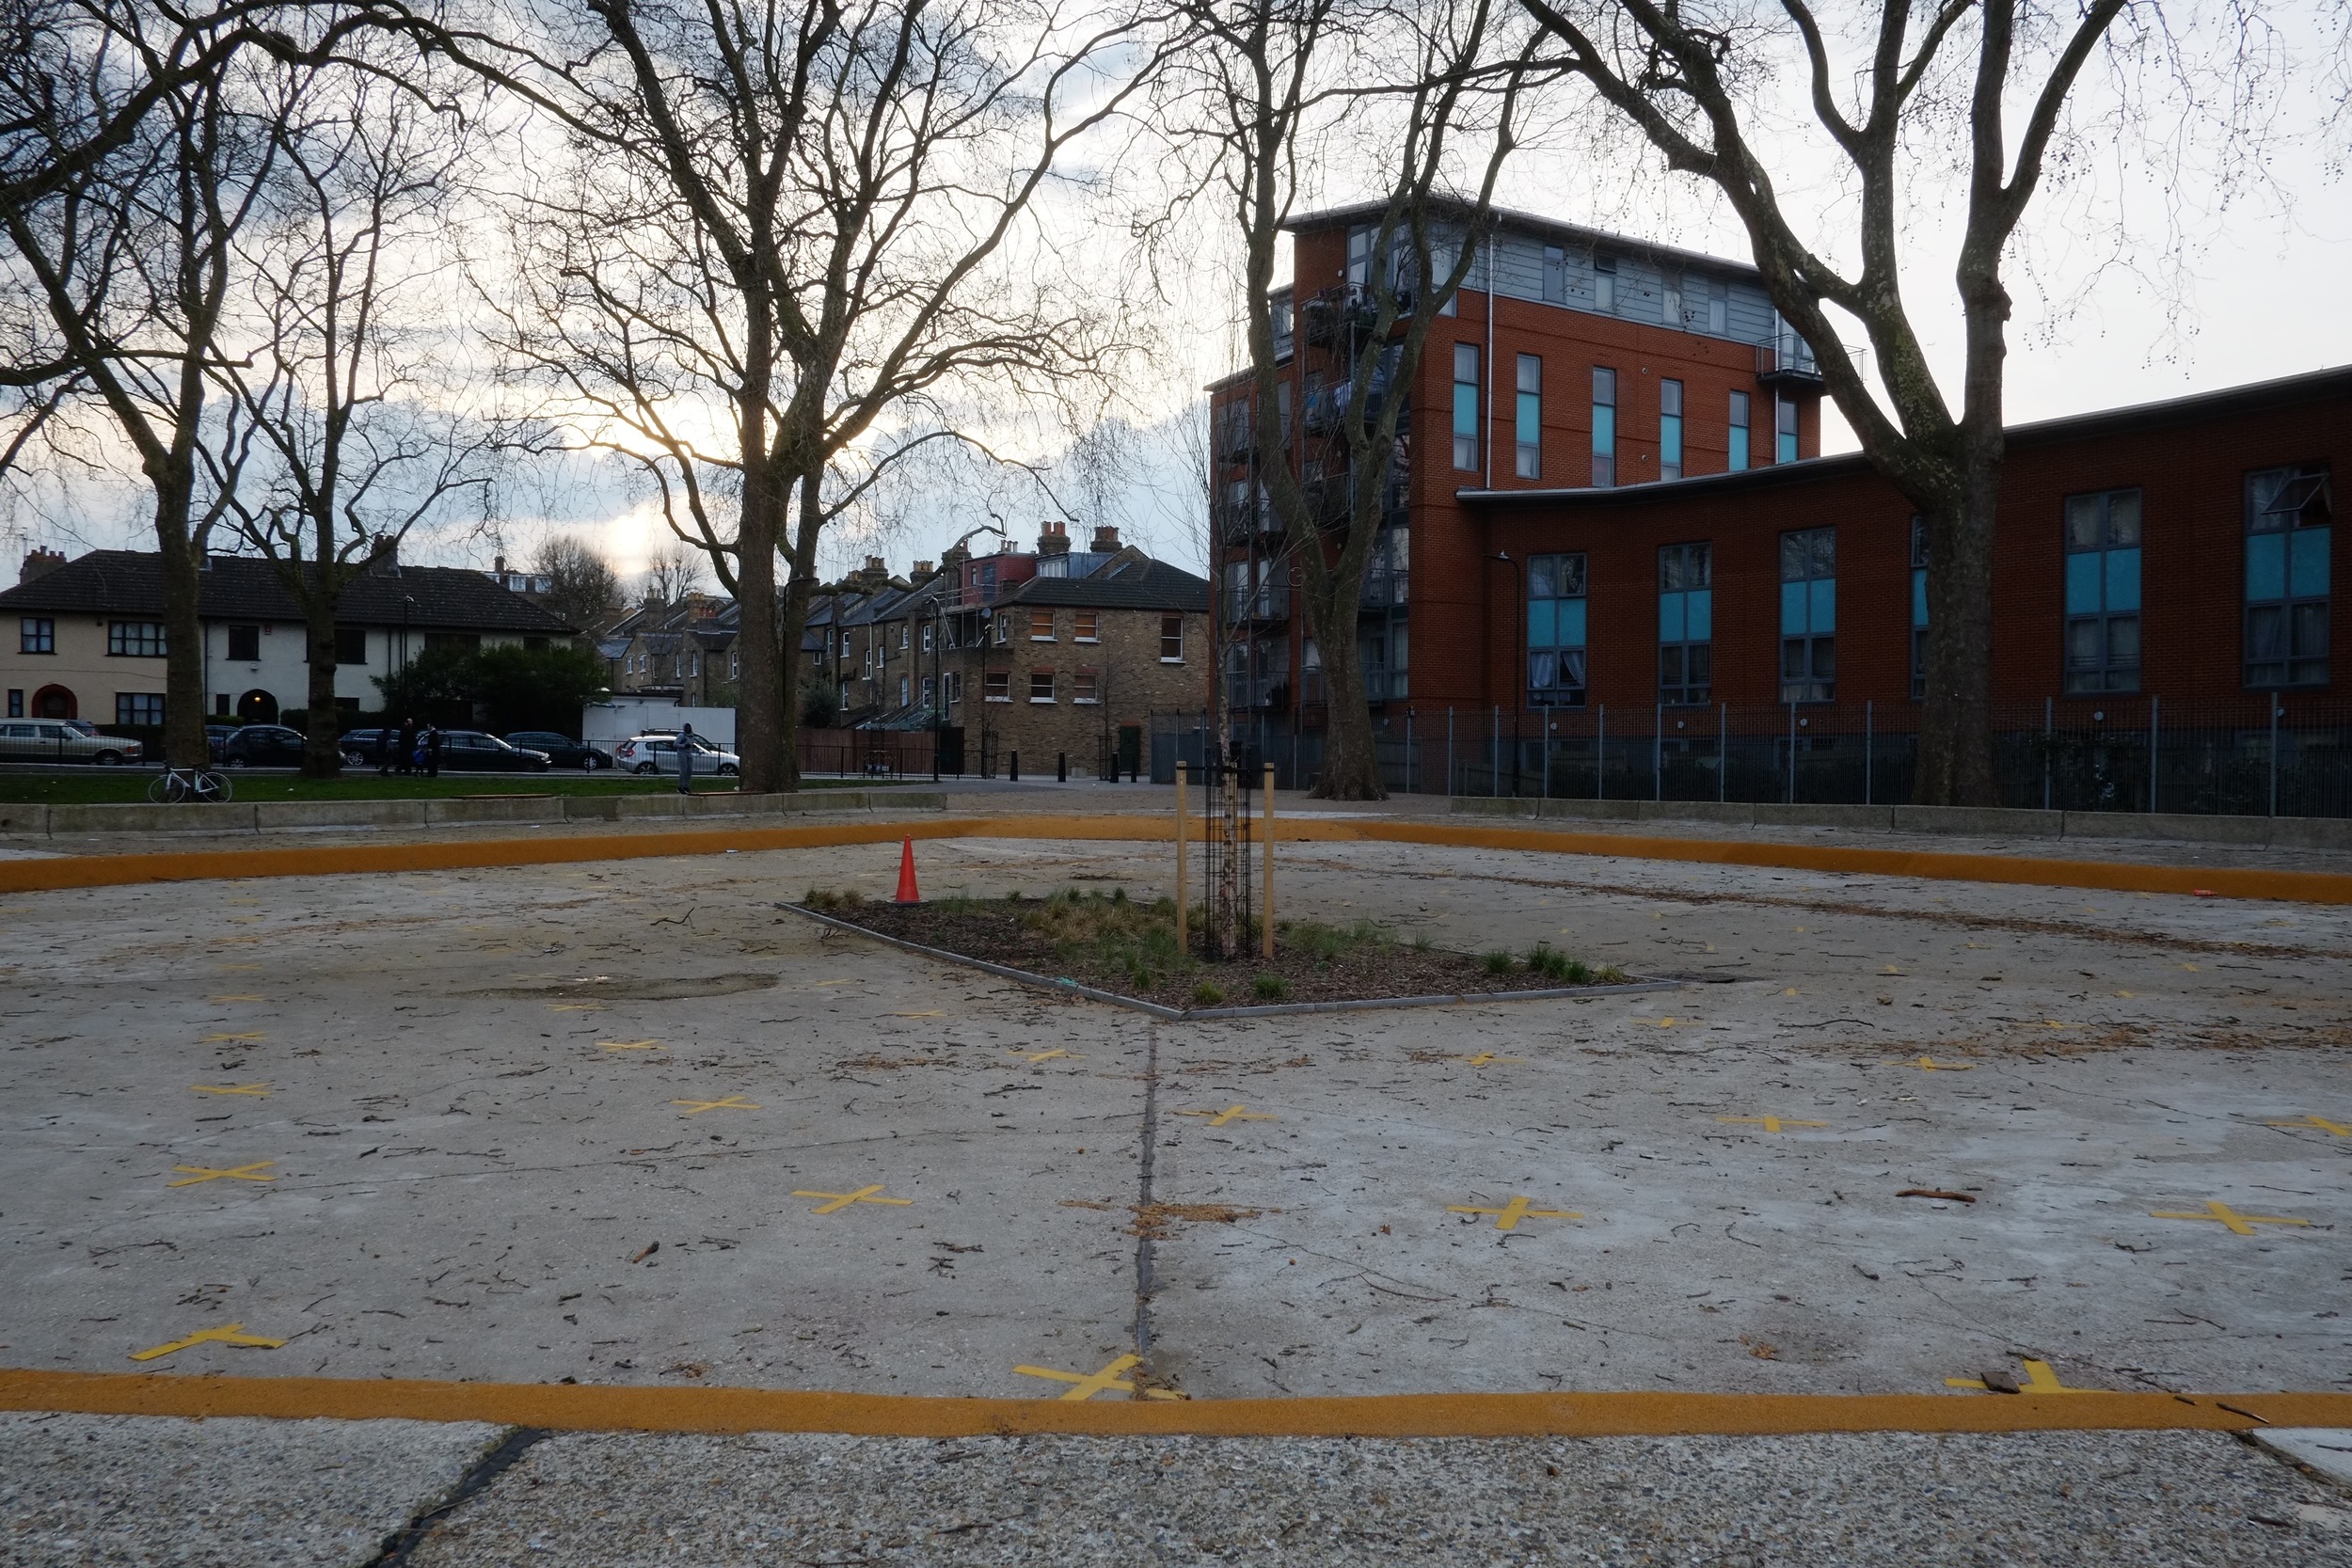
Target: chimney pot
(40,564)
(1053,539)
(1106,540)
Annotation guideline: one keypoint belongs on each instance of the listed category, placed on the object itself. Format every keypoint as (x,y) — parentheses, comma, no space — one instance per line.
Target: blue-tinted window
(2103,592)
(1808,615)
(1670,430)
(1785,416)
(1530,421)
(2288,535)
(1604,428)
(1466,405)
(1555,630)
(1918,606)
(1739,432)
(1686,623)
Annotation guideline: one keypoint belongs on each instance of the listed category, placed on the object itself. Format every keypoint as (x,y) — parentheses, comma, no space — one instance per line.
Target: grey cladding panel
(1751,313)
(1520,267)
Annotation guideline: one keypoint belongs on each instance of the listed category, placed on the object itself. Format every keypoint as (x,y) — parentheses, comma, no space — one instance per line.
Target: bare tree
(1280,70)
(1983,84)
(338,438)
(583,587)
(673,571)
(794,240)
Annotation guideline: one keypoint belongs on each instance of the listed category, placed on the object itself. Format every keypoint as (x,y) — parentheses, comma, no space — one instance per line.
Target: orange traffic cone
(906,874)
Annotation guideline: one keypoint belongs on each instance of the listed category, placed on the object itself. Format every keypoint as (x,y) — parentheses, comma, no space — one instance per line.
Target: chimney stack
(1053,539)
(922,570)
(40,562)
(498,566)
(1106,540)
(957,555)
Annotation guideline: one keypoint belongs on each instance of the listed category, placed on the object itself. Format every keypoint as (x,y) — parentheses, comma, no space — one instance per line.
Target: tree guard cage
(1228,839)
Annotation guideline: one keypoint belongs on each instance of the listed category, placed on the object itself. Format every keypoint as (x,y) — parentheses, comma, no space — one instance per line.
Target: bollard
(1012,771)
(1062,767)
(1266,918)
(1180,856)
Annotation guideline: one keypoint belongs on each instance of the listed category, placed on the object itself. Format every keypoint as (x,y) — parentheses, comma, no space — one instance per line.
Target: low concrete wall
(2276,832)
(35,821)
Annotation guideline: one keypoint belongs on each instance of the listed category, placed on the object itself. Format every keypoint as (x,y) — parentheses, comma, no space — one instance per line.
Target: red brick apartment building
(1614,561)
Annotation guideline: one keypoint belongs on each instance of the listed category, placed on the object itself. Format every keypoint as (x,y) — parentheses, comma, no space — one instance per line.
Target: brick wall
(1131,680)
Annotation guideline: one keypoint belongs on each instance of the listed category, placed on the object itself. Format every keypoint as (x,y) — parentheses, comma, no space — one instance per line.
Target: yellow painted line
(82,871)
(583,1407)
(224,1334)
(2040,1379)
(1508,1217)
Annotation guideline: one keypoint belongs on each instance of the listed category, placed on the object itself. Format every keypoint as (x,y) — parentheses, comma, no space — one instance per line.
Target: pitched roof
(1134,584)
(437,598)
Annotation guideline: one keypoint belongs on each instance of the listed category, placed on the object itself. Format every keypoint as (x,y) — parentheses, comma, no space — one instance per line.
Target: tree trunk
(758,733)
(1351,768)
(321,740)
(1956,717)
(184,626)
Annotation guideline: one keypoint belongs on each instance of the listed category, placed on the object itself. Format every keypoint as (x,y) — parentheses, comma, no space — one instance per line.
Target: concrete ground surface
(631,1122)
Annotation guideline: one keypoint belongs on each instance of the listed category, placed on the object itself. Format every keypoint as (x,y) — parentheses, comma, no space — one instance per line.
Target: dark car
(561,750)
(217,738)
(262,746)
(472,752)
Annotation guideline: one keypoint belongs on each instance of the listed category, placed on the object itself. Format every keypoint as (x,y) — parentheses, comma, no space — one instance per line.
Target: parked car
(262,746)
(64,741)
(217,738)
(562,750)
(658,753)
(472,752)
(359,746)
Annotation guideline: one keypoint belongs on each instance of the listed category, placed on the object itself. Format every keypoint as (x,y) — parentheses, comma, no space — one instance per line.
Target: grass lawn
(112,786)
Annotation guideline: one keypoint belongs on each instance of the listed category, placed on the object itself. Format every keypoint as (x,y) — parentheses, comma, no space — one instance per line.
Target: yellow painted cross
(842,1201)
(2040,1379)
(2242,1225)
(1508,1217)
(630,1045)
(1929,1064)
(1231,1113)
(199,1175)
(227,1334)
(1035,1056)
(239,998)
(255,1035)
(933,1013)
(259,1091)
(1487,1058)
(732,1103)
(2335,1129)
(1772,1124)
(1086,1385)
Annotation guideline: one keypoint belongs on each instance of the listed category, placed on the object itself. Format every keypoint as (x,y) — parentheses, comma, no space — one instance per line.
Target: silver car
(658,753)
(64,741)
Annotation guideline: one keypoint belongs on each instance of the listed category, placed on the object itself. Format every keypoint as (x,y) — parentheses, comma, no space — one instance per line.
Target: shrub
(831,899)
(1496,962)
(1207,995)
(1273,987)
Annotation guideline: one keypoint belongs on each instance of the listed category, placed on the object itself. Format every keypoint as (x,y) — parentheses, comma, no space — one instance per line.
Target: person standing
(432,753)
(686,760)
(408,745)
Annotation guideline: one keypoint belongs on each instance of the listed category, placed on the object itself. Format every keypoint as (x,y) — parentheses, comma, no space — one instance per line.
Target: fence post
(1547,743)
(1600,757)
(1723,754)
(1658,755)
(2155,709)
(2049,739)
(1181,915)
(2274,753)
(1494,752)
(1409,755)
(1449,752)
(1868,707)
(1792,753)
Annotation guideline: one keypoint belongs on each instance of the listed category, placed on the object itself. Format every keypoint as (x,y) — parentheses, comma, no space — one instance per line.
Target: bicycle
(190,786)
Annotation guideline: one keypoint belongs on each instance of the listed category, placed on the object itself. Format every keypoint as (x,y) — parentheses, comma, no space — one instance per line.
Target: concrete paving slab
(2109,1499)
(224,1494)
(2326,1450)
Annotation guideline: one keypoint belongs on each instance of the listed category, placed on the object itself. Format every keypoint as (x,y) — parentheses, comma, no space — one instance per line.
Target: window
(1808,615)
(1531,418)
(1172,640)
(1441,268)
(221,704)
(139,707)
(1040,624)
(1673,299)
(1466,405)
(926,637)
(1085,687)
(1918,606)
(902,637)
(1717,307)
(1004,630)
(902,691)
(1670,430)
(866,666)
(1040,686)
(1686,623)
(952,684)
(351,645)
(1785,420)
(37,635)
(135,639)
(996,685)
(245,645)
(2287,522)
(1088,625)
(1555,276)
(1605,284)
(1739,432)
(16,702)
(2103,592)
(1604,428)
(1360,256)
(1555,630)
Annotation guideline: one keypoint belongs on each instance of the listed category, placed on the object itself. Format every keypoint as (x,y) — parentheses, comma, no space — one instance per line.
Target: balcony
(1787,360)
(1260,694)
(1384,590)
(1270,603)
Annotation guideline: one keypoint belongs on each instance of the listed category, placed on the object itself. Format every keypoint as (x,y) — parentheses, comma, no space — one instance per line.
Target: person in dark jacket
(686,760)
(408,745)
(432,753)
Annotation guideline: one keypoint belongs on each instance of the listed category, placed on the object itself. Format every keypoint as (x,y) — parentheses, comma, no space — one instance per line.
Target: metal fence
(2256,757)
